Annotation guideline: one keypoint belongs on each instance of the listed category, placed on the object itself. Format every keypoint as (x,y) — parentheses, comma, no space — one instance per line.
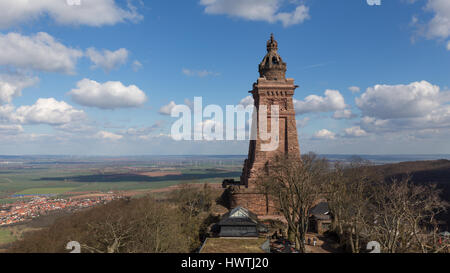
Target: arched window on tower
(275,60)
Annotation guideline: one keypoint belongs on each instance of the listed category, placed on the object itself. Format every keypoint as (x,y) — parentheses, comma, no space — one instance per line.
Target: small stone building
(240,222)
(320,218)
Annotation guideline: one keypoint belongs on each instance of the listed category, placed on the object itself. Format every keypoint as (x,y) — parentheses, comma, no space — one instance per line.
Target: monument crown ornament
(272,66)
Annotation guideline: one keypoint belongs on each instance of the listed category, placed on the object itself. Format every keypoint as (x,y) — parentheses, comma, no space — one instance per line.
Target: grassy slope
(6,236)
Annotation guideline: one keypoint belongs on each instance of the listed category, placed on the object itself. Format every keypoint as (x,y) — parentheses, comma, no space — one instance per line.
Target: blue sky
(93,79)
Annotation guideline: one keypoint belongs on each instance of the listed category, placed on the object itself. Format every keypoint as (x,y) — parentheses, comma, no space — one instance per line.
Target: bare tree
(349,194)
(405,217)
(296,186)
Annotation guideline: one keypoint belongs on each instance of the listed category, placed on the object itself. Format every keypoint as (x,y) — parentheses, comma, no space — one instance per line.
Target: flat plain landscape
(21,177)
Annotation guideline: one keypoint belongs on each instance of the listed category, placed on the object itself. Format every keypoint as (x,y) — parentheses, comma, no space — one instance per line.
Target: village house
(320,218)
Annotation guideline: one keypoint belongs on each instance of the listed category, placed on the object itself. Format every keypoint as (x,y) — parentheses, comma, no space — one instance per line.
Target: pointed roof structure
(240,222)
(272,66)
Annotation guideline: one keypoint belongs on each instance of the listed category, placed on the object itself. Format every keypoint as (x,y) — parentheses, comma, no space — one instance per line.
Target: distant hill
(422,172)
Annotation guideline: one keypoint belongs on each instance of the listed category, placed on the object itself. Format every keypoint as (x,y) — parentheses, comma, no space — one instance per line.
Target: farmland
(66,176)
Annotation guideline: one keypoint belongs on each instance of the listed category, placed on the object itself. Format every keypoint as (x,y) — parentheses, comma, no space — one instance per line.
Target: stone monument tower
(272,88)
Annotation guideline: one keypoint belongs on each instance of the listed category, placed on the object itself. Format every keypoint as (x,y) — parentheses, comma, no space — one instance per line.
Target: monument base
(259,203)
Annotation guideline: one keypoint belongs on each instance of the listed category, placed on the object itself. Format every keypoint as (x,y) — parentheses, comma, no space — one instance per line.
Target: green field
(60,179)
(44,191)
(6,236)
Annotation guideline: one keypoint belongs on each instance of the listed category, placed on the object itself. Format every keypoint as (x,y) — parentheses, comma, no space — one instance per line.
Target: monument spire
(272,44)
(272,66)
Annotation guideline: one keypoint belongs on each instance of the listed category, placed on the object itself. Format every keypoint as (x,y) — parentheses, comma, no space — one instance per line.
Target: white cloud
(247,101)
(355,132)
(109,95)
(107,60)
(6,113)
(343,114)
(438,118)
(92,13)
(11,129)
(399,101)
(108,136)
(38,52)
(298,16)
(324,134)
(354,89)
(408,108)
(333,101)
(439,26)
(167,109)
(198,73)
(11,86)
(48,111)
(257,10)
(448,45)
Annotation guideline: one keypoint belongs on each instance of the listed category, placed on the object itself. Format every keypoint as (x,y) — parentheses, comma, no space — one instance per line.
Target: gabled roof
(320,209)
(239,216)
(240,212)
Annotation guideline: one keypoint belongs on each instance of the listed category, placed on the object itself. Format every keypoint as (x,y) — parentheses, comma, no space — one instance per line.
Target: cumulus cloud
(109,95)
(344,114)
(106,59)
(448,45)
(257,10)
(92,13)
(6,113)
(167,109)
(332,101)
(399,101)
(108,136)
(355,132)
(247,101)
(324,134)
(38,52)
(439,26)
(11,86)
(298,16)
(437,119)
(397,108)
(48,111)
